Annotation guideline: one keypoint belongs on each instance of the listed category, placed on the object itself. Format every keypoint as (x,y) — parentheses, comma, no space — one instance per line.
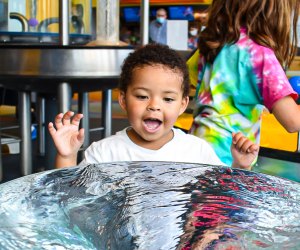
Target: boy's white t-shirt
(182,148)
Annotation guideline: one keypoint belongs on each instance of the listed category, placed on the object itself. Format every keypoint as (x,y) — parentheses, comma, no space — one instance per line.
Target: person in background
(158,27)
(239,70)
(188,13)
(193,37)
(154,91)
(203,17)
(125,34)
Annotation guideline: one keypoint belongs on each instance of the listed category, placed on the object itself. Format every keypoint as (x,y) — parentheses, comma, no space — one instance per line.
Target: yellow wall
(49,8)
(274,136)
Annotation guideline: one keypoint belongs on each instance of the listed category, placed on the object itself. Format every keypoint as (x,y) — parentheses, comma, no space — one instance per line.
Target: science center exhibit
(149,205)
(125,205)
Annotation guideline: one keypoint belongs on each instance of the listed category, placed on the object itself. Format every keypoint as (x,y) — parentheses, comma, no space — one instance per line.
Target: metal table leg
(51,108)
(106,112)
(83,107)
(41,104)
(64,97)
(25,122)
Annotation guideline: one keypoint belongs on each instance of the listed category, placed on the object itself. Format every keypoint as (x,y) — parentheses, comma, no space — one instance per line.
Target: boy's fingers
(253,148)
(51,128)
(80,136)
(58,120)
(242,143)
(246,146)
(241,146)
(236,137)
(76,119)
(66,120)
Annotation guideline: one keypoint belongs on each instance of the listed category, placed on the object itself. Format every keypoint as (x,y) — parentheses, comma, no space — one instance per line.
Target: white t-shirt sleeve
(91,154)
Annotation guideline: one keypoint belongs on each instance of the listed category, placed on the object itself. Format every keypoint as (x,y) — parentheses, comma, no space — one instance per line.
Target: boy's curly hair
(150,55)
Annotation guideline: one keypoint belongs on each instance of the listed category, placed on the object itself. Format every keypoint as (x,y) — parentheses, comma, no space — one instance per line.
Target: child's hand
(66,136)
(243,151)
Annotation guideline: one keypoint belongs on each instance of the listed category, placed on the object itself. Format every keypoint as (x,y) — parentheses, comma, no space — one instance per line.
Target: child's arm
(287,112)
(67,138)
(243,151)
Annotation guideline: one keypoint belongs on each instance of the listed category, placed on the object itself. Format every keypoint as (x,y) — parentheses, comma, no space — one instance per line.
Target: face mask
(194,32)
(160,19)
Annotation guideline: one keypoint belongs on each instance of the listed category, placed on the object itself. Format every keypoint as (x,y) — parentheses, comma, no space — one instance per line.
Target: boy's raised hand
(66,134)
(243,151)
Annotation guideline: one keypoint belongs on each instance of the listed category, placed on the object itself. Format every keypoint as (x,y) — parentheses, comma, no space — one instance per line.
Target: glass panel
(38,21)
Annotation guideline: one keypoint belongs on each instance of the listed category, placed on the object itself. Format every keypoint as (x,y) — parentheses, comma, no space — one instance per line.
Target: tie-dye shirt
(232,92)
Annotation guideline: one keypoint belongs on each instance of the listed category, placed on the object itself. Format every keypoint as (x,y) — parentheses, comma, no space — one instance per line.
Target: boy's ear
(122,100)
(184,104)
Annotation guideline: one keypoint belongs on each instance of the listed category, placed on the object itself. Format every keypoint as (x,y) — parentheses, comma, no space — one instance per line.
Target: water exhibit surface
(149,205)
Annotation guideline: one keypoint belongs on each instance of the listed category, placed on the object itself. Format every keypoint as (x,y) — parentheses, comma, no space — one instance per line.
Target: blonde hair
(268,22)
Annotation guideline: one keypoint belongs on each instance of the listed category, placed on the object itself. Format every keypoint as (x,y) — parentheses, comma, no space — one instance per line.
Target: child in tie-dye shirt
(239,70)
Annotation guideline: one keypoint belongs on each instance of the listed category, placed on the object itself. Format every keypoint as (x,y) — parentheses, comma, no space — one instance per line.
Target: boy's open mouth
(152,124)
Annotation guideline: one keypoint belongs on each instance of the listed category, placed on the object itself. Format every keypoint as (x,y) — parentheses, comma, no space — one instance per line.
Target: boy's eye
(142,97)
(168,99)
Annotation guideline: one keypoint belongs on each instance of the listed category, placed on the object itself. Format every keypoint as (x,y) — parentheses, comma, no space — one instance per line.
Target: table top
(42,68)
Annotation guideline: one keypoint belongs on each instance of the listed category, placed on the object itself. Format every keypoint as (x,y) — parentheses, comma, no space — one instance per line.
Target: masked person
(158,27)
(193,38)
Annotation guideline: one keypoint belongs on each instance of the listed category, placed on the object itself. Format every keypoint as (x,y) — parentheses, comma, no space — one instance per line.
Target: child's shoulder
(245,42)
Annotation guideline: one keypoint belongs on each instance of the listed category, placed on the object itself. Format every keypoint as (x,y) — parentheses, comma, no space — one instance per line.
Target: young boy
(154,89)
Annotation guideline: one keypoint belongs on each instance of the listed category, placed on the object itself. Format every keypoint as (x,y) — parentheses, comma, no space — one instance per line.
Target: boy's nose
(153,107)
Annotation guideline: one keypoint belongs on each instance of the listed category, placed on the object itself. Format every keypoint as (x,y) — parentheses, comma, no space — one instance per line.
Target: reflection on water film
(149,205)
